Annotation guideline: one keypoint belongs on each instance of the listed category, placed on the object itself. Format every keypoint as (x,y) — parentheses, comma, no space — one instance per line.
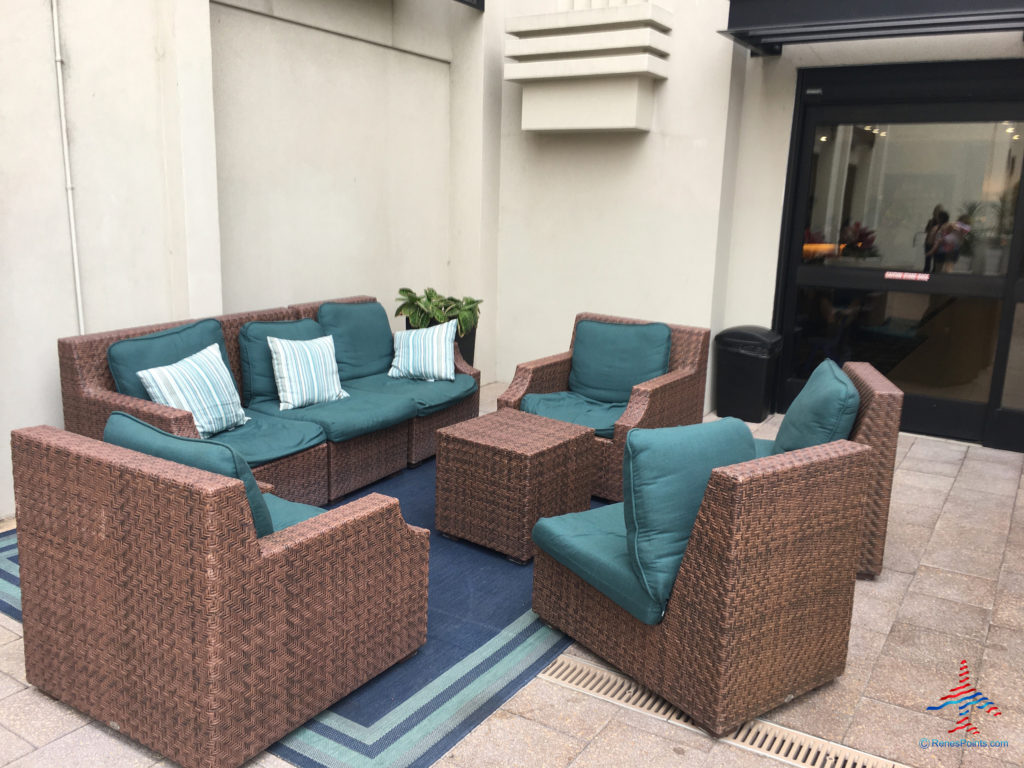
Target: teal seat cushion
(129,356)
(258,381)
(265,438)
(608,359)
(764,447)
(211,455)
(664,475)
(429,396)
(592,545)
(576,409)
(362,337)
(824,410)
(284,513)
(358,414)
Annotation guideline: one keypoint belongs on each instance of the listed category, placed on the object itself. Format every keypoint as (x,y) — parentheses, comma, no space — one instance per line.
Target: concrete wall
(624,224)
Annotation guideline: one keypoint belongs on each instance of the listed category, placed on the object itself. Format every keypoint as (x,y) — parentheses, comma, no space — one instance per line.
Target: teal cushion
(429,396)
(257,367)
(764,447)
(358,414)
(824,410)
(284,513)
(592,545)
(265,438)
(129,356)
(362,338)
(608,359)
(211,455)
(576,409)
(664,475)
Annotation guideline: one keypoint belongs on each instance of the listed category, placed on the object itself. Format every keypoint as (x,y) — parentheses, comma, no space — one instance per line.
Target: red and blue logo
(966,698)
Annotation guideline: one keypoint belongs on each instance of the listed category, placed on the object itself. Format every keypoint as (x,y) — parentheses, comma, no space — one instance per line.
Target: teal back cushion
(258,381)
(128,432)
(129,356)
(362,338)
(664,475)
(609,358)
(824,410)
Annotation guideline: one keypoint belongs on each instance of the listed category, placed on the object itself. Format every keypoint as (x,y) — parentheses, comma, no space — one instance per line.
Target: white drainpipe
(68,186)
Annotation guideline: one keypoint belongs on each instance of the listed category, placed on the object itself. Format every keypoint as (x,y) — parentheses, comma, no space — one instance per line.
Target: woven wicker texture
(877,425)
(422,431)
(499,473)
(149,603)
(673,399)
(761,606)
(365,459)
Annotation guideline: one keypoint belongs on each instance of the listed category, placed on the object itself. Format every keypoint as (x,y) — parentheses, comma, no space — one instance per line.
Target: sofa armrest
(461,366)
(548,374)
(94,406)
(672,399)
(265,487)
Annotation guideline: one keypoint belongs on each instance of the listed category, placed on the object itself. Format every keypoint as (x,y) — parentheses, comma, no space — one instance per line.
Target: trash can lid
(749,338)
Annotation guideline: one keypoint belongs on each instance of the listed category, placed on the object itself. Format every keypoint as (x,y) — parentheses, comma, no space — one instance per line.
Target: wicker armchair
(760,611)
(150,605)
(674,399)
(877,425)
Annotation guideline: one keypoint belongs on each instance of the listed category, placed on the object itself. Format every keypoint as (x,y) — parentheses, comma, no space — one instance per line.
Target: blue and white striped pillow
(305,371)
(426,353)
(200,384)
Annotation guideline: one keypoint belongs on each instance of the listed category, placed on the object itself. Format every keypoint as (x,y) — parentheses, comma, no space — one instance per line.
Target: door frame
(963,91)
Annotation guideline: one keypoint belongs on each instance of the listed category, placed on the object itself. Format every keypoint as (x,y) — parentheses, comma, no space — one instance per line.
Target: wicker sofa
(150,604)
(673,399)
(314,475)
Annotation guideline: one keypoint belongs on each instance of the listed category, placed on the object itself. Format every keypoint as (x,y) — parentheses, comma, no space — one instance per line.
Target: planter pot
(467,343)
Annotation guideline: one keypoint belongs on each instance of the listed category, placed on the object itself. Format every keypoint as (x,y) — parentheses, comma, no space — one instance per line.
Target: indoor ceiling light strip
(759,736)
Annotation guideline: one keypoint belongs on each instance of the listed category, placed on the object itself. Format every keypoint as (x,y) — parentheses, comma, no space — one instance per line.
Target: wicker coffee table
(499,473)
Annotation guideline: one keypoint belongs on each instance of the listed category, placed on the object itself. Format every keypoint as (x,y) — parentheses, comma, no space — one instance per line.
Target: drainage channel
(759,736)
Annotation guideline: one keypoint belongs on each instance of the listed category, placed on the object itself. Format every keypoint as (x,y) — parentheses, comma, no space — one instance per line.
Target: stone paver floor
(952,588)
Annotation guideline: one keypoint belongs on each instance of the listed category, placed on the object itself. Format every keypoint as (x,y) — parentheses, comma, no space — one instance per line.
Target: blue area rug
(483,644)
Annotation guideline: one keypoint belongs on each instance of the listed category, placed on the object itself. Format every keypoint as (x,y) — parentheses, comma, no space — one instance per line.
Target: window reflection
(934,345)
(1013,389)
(936,197)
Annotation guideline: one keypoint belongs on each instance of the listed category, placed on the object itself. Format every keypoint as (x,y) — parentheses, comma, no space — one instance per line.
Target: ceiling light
(1011,129)
(867,127)
(1016,137)
(876,131)
(823,138)
(883,133)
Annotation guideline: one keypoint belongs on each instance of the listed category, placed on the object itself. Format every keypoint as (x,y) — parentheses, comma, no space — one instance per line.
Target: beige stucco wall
(624,224)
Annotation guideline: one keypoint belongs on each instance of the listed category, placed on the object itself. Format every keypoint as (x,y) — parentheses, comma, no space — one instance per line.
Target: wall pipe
(68,186)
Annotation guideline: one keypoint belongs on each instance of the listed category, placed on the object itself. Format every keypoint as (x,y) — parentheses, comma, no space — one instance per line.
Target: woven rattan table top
(512,430)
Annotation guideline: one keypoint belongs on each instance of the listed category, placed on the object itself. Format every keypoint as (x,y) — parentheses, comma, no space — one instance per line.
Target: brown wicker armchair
(150,605)
(674,399)
(877,425)
(760,611)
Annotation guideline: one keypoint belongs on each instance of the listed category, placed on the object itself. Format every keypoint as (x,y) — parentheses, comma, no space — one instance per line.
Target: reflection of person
(948,240)
(930,231)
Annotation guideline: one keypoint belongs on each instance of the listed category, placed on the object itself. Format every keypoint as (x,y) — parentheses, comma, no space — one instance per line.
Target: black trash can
(745,358)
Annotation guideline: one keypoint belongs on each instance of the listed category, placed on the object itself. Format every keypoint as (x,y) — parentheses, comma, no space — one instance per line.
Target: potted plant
(431,308)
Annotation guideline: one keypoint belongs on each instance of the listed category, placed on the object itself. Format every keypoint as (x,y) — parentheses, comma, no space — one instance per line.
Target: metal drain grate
(764,738)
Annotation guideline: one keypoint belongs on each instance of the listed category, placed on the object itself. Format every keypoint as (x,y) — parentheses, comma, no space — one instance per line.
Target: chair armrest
(672,399)
(265,487)
(347,528)
(548,374)
(773,534)
(461,366)
(100,403)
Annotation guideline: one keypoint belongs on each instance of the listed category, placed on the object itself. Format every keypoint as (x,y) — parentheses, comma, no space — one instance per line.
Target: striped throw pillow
(305,371)
(426,353)
(200,384)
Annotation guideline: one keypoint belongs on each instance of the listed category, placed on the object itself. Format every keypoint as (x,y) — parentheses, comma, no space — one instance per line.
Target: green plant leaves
(432,307)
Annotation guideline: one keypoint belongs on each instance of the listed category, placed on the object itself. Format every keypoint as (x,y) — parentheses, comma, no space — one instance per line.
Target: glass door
(903,252)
